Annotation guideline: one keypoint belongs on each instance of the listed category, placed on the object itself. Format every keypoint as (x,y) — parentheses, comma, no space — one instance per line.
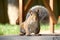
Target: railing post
(20,11)
(51,21)
(52,18)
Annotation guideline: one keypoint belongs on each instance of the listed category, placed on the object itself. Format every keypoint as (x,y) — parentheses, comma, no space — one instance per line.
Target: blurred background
(9,10)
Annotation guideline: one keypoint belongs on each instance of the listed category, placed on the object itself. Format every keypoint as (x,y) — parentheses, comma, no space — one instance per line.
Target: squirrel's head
(34,14)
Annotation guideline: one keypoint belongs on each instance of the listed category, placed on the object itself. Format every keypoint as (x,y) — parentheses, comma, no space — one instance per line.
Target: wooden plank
(20,11)
(28,4)
(51,4)
(51,21)
(51,25)
(51,16)
(29,37)
(26,7)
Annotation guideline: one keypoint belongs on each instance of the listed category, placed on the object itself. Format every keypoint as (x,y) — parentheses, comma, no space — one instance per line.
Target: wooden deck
(42,37)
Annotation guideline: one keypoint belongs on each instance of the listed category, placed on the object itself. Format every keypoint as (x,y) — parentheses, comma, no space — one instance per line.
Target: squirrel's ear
(30,11)
(37,10)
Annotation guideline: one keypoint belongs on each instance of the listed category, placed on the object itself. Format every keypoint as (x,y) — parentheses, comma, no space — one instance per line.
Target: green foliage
(44,26)
(57,27)
(7,29)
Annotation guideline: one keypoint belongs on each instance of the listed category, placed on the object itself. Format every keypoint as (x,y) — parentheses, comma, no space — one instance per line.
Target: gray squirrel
(34,16)
(31,24)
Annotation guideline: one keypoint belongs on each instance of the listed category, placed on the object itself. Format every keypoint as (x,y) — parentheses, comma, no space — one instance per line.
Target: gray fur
(43,12)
